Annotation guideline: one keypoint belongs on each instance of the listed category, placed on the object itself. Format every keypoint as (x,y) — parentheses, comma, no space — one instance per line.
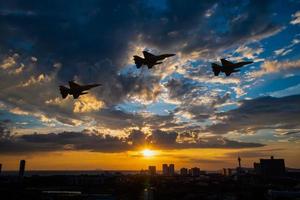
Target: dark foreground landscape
(111,186)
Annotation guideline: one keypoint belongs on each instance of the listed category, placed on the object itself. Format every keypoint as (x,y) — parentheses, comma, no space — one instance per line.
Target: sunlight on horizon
(148,153)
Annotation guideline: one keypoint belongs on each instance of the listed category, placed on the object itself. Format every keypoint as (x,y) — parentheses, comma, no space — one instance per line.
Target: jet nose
(172,54)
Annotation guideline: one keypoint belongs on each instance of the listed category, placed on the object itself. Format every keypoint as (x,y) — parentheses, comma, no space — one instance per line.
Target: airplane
(149,59)
(75,89)
(227,67)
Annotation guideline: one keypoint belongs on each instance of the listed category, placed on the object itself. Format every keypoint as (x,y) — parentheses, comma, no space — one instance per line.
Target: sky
(178,110)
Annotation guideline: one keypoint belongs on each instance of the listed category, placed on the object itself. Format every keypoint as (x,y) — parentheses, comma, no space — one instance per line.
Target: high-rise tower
(22,168)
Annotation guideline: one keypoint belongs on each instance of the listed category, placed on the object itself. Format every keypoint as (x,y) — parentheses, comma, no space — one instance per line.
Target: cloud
(182,17)
(293,90)
(48,106)
(195,101)
(248,52)
(9,61)
(94,43)
(87,103)
(4,129)
(36,80)
(183,89)
(287,49)
(168,140)
(62,141)
(270,67)
(99,142)
(296,18)
(282,51)
(261,113)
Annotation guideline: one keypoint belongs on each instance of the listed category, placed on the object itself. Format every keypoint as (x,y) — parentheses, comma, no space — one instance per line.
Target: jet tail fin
(216,68)
(138,61)
(64,91)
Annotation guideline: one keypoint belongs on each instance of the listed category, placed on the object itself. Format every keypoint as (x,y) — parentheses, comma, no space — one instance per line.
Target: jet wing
(150,66)
(226,62)
(148,56)
(228,73)
(73,85)
(75,96)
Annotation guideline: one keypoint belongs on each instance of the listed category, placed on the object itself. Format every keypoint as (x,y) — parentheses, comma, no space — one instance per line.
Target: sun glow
(148,153)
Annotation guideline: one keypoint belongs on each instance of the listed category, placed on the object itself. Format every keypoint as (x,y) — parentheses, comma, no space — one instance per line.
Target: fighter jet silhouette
(75,89)
(149,59)
(227,67)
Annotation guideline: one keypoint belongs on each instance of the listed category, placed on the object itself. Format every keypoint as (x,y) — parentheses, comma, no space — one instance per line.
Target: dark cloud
(99,142)
(184,89)
(137,137)
(173,140)
(291,132)
(195,99)
(185,25)
(90,40)
(84,34)
(163,139)
(93,40)
(4,129)
(63,141)
(260,113)
(76,32)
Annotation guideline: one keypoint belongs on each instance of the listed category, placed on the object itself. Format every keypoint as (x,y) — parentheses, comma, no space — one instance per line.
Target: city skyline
(266,167)
(148,113)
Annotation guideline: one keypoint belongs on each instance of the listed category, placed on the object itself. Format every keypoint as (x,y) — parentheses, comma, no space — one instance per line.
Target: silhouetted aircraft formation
(75,89)
(227,67)
(149,59)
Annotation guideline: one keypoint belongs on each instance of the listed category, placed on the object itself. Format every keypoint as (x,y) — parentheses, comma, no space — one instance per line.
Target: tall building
(183,171)
(152,170)
(165,169)
(270,167)
(171,169)
(195,171)
(168,170)
(22,168)
(239,160)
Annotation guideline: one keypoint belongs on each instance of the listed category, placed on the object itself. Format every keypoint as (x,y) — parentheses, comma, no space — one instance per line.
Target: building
(168,170)
(270,167)
(165,169)
(152,170)
(227,172)
(256,167)
(22,168)
(171,169)
(195,171)
(183,171)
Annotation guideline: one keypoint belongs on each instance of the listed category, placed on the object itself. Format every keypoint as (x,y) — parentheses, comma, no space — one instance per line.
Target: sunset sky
(179,111)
